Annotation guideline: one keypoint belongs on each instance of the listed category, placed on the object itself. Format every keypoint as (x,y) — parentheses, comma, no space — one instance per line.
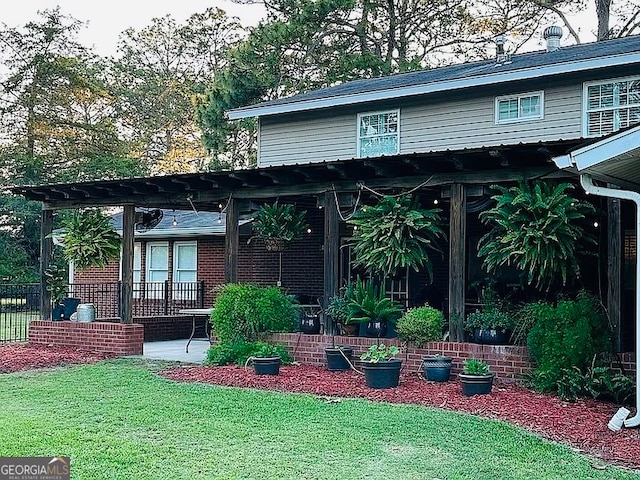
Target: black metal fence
(19,304)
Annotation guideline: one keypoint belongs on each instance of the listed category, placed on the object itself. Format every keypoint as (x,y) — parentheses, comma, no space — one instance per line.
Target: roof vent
(501,56)
(552,35)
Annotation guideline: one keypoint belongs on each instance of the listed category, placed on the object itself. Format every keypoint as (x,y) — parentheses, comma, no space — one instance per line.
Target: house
(446,133)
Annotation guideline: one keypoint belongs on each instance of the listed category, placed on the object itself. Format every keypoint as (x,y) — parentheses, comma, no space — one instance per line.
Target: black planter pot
(476,384)
(498,336)
(436,368)
(310,325)
(376,329)
(57,313)
(266,365)
(335,358)
(385,374)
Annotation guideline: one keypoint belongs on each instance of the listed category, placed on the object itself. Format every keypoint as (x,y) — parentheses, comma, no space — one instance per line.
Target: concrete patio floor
(175,350)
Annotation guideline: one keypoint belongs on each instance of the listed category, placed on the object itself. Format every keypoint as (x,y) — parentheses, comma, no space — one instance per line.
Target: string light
(596,224)
(174,222)
(308,230)
(436,202)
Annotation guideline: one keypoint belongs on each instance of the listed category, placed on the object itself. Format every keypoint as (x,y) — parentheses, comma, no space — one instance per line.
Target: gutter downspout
(589,187)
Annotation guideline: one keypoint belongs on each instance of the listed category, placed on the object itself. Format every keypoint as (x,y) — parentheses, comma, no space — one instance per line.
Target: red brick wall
(509,362)
(628,360)
(103,337)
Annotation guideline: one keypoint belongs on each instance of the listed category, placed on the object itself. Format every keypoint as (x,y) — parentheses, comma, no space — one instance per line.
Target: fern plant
(90,240)
(536,228)
(279,224)
(395,234)
(368,303)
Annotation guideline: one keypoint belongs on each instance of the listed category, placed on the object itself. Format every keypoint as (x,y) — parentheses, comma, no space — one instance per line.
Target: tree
(158,74)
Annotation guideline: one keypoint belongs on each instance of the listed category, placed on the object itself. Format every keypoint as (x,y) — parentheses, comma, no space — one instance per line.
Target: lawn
(118,420)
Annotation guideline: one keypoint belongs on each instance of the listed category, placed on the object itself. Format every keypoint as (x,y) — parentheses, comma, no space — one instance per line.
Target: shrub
(245,312)
(565,336)
(489,319)
(238,352)
(421,325)
(338,307)
(369,303)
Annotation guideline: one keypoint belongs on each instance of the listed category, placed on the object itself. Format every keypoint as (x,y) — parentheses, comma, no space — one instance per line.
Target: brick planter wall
(103,337)
(509,362)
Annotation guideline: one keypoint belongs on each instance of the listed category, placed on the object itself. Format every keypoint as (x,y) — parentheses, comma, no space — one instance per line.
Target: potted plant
(90,240)
(56,284)
(476,379)
(490,326)
(421,325)
(370,305)
(436,368)
(338,310)
(266,358)
(278,224)
(381,367)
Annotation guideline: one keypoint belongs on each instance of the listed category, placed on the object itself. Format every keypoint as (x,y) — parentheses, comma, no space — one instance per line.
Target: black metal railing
(149,299)
(19,304)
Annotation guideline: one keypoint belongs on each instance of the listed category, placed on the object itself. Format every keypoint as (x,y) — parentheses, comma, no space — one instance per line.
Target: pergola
(459,171)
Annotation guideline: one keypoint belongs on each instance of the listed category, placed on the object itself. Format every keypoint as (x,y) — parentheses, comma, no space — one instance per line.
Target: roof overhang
(528,73)
(613,159)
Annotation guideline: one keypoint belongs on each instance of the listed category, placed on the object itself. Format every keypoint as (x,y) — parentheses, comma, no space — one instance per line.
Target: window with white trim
(185,270)
(519,108)
(378,133)
(157,271)
(611,105)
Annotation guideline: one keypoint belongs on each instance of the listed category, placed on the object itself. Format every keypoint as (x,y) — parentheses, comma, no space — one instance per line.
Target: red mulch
(21,356)
(582,425)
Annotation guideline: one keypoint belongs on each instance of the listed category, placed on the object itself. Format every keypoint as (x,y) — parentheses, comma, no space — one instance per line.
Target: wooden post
(331,249)
(126,297)
(614,269)
(457,243)
(231,241)
(46,250)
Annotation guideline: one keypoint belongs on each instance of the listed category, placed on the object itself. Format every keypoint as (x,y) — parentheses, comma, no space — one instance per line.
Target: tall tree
(158,72)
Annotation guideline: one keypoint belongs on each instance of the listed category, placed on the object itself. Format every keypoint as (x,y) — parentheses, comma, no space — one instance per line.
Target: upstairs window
(378,133)
(611,105)
(520,108)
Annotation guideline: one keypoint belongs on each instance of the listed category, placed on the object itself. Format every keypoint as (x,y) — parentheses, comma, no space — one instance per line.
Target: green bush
(245,312)
(421,325)
(489,319)
(565,336)
(338,307)
(238,352)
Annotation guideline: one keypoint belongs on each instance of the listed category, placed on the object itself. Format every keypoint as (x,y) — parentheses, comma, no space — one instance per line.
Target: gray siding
(423,128)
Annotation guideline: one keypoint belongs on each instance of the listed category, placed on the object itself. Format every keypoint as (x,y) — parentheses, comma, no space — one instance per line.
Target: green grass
(117,420)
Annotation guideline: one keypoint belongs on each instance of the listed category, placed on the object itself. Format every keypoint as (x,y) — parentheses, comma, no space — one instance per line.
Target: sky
(106,19)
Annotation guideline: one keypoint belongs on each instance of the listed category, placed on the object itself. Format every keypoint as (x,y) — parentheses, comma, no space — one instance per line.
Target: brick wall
(509,362)
(628,361)
(161,328)
(103,337)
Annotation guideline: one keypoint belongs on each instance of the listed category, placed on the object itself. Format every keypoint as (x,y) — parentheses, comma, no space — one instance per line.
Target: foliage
(564,336)
(238,352)
(536,228)
(56,282)
(596,382)
(245,312)
(421,325)
(473,366)
(395,234)
(338,306)
(90,240)
(279,223)
(490,319)
(380,353)
(369,303)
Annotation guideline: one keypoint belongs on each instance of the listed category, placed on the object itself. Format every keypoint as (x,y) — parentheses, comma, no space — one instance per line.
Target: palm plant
(536,228)
(368,303)
(279,224)
(90,240)
(395,234)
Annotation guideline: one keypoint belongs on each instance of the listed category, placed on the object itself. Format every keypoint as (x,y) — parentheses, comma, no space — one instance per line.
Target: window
(378,133)
(520,108)
(157,268)
(185,261)
(611,105)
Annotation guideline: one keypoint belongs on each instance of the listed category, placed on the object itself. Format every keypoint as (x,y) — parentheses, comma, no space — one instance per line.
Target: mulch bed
(581,425)
(15,357)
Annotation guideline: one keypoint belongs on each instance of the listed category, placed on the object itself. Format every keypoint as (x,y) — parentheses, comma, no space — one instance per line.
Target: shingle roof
(529,64)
